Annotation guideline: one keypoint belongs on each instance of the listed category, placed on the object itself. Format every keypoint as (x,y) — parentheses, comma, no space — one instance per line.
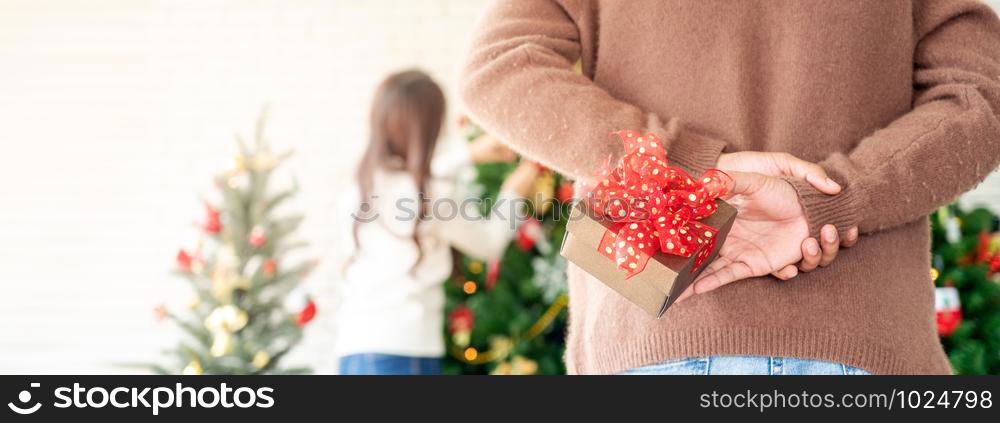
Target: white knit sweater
(388,308)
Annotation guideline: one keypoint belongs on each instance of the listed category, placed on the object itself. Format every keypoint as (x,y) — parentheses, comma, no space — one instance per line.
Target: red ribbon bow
(655,206)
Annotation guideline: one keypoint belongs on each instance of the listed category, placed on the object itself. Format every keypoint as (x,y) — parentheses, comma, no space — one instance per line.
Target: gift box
(648,230)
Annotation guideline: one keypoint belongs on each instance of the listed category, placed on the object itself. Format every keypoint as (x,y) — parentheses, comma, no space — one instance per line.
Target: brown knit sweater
(897,99)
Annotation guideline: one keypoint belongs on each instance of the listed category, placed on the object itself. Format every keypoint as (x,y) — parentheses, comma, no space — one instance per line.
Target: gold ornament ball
(193,369)
(521,365)
(502,369)
(222,344)
(227,318)
(471,354)
(545,192)
(501,346)
(934,274)
(475,267)
(261,359)
(237,164)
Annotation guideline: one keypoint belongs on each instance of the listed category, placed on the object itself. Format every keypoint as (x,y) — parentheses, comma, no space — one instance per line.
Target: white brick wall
(115,114)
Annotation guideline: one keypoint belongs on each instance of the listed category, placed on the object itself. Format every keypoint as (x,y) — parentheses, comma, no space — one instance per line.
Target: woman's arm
(946,145)
(486,237)
(519,83)
(482,237)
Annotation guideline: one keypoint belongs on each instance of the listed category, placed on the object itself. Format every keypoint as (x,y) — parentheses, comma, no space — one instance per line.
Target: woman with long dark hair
(406,216)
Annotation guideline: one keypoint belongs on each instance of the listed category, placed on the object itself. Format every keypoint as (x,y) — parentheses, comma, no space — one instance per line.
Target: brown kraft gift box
(665,276)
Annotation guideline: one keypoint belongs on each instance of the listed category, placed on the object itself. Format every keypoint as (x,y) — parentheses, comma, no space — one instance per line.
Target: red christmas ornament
(160,312)
(461,319)
(995,264)
(257,237)
(269,267)
(307,314)
(948,321)
(983,248)
(947,310)
(565,192)
(213,221)
(184,260)
(492,273)
(528,233)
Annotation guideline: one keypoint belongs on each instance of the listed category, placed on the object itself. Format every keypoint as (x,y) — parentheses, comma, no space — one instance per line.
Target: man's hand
(815,252)
(779,164)
(766,237)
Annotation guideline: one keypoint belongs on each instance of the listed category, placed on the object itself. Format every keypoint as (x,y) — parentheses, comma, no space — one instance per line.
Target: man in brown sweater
(897,100)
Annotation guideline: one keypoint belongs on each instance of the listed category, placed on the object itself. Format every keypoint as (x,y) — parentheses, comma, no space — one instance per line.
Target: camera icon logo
(24,397)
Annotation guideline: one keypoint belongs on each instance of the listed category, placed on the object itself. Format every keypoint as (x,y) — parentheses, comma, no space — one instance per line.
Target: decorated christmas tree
(247,310)
(508,317)
(965,270)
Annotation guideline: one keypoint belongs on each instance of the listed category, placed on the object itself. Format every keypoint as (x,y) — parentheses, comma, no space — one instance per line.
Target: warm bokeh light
(471,354)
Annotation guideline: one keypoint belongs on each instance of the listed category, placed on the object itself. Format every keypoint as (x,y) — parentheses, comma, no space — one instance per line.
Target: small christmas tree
(508,317)
(965,270)
(246,312)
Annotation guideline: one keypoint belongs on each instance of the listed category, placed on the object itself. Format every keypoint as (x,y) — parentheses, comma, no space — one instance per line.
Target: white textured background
(114,115)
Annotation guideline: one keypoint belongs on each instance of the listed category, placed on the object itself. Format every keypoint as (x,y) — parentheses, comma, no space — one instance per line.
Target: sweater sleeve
(947,143)
(520,85)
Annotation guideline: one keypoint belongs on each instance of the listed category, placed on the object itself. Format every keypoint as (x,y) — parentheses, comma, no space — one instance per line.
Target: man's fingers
(823,184)
(810,172)
(811,255)
(850,238)
(720,262)
(830,243)
(689,291)
(745,183)
(786,272)
(725,275)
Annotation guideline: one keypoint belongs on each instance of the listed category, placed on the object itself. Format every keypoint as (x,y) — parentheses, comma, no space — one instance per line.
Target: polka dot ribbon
(654,206)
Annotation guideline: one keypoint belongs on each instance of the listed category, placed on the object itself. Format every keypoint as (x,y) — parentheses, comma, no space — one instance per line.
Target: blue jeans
(737,365)
(388,364)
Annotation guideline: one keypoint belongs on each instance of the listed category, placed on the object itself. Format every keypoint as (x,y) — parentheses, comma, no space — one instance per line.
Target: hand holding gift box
(647,229)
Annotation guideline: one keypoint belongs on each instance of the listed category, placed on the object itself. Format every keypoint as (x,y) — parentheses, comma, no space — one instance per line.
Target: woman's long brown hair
(406,118)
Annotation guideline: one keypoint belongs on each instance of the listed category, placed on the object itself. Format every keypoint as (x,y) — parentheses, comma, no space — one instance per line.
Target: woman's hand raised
(488,149)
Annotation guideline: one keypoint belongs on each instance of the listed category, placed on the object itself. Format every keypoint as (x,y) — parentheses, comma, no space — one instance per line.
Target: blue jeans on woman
(388,364)
(739,365)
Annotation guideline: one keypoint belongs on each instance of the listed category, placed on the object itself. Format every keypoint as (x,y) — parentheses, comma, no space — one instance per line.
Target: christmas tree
(508,317)
(247,311)
(965,270)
